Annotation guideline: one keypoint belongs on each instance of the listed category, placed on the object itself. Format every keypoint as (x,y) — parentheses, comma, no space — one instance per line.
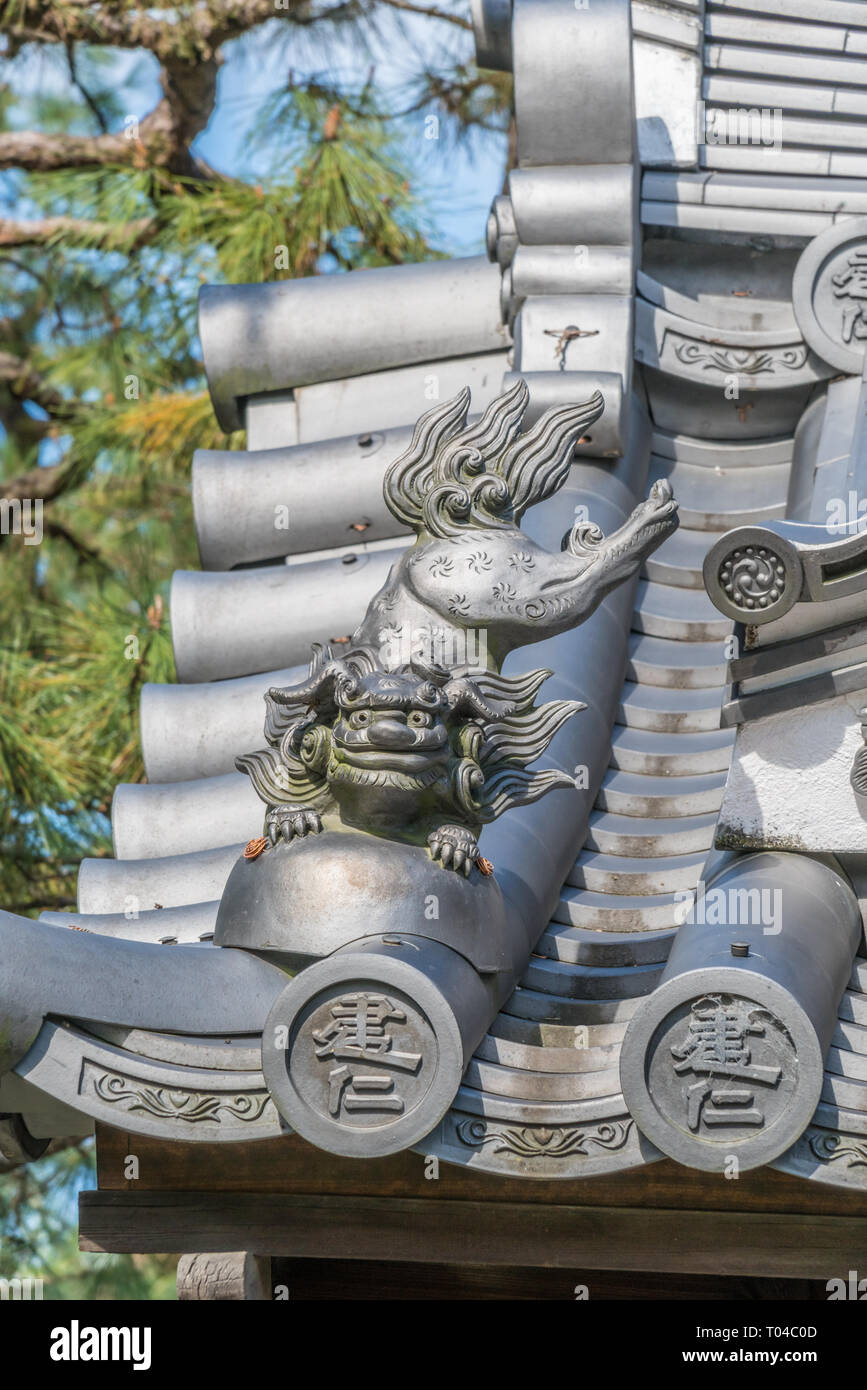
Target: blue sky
(455,186)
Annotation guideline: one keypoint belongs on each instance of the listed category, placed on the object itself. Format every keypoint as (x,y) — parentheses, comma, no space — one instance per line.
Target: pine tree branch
(190,32)
(44,483)
(87,553)
(430,11)
(37,152)
(162,137)
(47,903)
(186,40)
(105,236)
(25,383)
(89,99)
(9,1165)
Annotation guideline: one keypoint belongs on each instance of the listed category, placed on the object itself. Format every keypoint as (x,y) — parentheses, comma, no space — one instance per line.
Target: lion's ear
(314,748)
(279,782)
(515,786)
(513,742)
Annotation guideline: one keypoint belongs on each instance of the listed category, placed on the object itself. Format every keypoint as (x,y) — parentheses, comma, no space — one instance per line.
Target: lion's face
(390,730)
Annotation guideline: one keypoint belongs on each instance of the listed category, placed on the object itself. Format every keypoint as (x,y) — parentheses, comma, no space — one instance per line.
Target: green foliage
(473,106)
(339,189)
(104,315)
(38,1236)
(103,403)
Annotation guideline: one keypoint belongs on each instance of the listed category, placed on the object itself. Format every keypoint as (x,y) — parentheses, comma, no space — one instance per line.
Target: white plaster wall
(666,96)
(788,785)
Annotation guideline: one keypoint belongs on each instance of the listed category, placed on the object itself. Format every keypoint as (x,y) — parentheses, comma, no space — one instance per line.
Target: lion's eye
(359,719)
(418,719)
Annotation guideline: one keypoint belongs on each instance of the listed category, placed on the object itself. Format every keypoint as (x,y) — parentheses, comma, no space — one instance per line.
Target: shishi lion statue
(387,738)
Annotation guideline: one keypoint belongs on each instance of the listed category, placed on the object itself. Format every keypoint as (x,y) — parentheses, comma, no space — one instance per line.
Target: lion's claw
(455,847)
(291,822)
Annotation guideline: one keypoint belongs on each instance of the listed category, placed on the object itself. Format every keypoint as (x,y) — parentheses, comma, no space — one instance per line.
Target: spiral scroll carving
(753,577)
